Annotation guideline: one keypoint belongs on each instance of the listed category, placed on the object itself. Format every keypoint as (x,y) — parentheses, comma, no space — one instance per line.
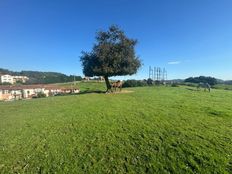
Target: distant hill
(39,77)
(228,82)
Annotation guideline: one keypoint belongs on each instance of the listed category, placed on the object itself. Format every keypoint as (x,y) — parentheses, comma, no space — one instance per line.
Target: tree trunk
(108,86)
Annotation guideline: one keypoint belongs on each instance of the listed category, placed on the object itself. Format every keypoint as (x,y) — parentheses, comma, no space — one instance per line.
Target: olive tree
(113,54)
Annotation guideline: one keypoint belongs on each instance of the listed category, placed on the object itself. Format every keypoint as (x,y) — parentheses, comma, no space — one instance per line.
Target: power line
(158,74)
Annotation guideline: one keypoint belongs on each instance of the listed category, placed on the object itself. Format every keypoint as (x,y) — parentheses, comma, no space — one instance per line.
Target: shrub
(190,84)
(149,81)
(174,85)
(5,83)
(134,83)
(41,95)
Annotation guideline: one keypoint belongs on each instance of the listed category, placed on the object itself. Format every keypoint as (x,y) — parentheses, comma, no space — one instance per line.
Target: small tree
(149,81)
(112,55)
(41,95)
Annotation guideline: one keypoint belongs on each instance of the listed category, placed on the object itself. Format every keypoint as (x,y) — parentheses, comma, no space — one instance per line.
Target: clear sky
(187,37)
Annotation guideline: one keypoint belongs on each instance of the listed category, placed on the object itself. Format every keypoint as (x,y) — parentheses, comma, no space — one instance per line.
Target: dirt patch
(122,92)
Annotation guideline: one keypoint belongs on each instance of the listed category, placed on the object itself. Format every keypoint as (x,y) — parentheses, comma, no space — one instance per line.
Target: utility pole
(158,74)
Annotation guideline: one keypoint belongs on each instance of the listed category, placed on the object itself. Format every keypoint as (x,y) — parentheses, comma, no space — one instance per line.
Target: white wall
(7,79)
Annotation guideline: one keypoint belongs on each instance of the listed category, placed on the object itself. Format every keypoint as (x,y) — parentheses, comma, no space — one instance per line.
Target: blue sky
(187,37)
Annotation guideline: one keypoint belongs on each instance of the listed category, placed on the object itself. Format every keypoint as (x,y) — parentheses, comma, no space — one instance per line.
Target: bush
(5,83)
(134,83)
(158,82)
(41,95)
(174,85)
(190,84)
(149,81)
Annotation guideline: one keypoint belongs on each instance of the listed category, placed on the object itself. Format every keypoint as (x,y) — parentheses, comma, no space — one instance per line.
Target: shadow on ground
(91,92)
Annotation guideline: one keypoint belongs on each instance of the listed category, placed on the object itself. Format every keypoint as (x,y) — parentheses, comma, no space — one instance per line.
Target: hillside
(150,130)
(39,77)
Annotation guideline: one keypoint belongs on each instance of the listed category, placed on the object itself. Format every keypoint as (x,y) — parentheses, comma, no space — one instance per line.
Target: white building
(7,79)
(10,92)
(22,79)
(12,79)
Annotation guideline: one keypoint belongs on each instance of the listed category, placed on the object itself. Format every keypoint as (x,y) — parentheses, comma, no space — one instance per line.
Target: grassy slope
(223,86)
(87,86)
(164,130)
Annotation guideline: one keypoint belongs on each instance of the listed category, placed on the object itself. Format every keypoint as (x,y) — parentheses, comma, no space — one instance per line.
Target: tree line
(203,79)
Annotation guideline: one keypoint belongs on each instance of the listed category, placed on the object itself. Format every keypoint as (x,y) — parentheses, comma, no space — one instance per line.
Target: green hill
(149,130)
(39,77)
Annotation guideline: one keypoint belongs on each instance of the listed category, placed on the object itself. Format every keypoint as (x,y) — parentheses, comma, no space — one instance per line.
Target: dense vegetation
(37,77)
(113,54)
(151,130)
(134,83)
(202,79)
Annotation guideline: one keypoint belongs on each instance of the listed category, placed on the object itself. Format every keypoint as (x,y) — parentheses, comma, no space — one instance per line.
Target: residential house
(30,91)
(22,79)
(13,79)
(7,79)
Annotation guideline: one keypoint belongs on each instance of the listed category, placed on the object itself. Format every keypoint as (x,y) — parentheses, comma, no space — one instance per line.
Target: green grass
(86,87)
(223,86)
(152,130)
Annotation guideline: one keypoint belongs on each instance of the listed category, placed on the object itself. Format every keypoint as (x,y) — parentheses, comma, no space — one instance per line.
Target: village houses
(6,78)
(9,92)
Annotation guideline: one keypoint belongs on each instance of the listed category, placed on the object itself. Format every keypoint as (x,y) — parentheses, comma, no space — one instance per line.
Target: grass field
(87,87)
(223,86)
(151,130)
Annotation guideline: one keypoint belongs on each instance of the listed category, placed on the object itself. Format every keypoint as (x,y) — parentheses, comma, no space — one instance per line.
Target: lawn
(223,86)
(150,130)
(86,87)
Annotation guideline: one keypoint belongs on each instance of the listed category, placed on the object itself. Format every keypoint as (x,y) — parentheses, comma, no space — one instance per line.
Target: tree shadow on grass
(83,92)
(91,92)
(102,92)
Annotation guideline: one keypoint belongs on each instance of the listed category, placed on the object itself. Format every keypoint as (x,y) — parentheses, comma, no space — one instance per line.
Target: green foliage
(41,95)
(6,71)
(152,130)
(189,84)
(150,81)
(174,85)
(202,79)
(37,77)
(18,82)
(134,83)
(5,83)
(112,55)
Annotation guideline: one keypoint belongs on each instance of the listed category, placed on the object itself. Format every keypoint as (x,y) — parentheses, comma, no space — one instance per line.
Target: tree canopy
(202,79)
(113,54)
